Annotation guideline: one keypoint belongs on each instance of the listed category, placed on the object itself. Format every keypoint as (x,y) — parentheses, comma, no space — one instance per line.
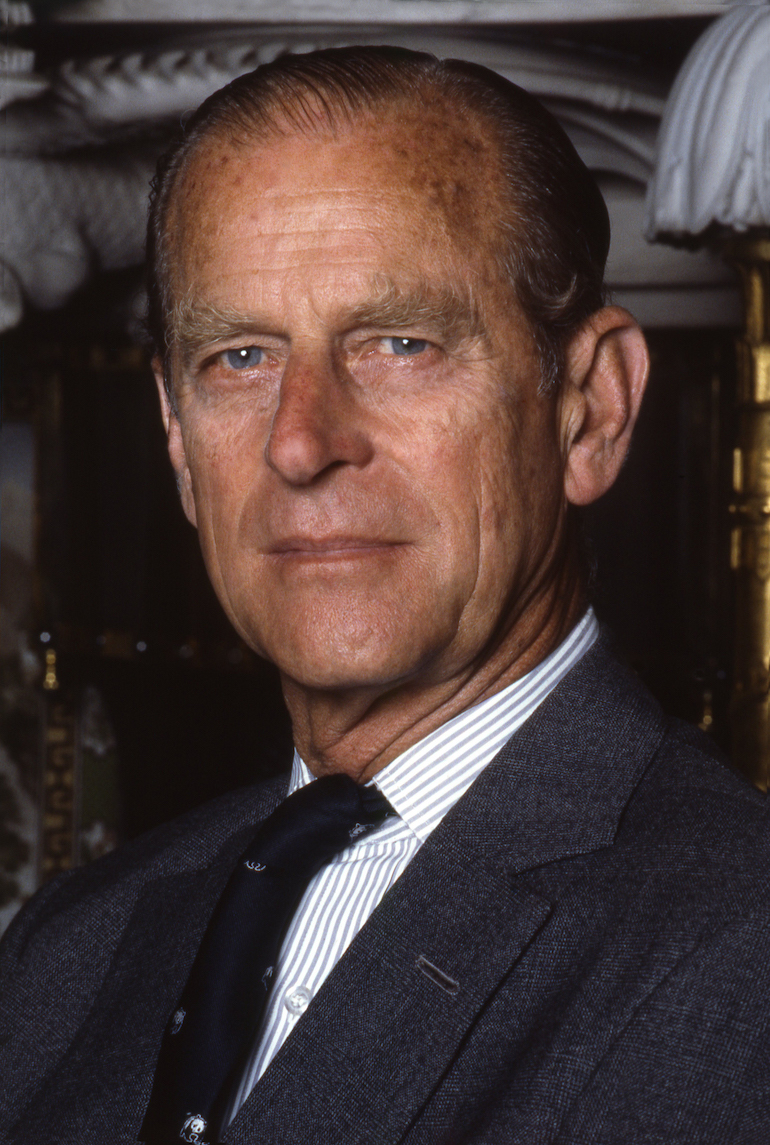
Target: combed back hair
(554,233)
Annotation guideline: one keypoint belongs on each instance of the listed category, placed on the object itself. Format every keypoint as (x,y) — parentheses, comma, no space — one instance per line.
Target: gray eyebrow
(454,315)
(197,324)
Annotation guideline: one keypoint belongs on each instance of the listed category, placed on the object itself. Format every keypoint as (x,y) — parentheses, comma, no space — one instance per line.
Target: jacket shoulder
(85,910)
(59,950)
(691,786)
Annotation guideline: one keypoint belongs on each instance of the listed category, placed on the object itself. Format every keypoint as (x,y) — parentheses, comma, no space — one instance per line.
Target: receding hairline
(323,118)
(552,224)
(303,107)
(496,207)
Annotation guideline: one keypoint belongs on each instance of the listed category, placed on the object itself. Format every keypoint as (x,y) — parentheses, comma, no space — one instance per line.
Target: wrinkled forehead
(436,168)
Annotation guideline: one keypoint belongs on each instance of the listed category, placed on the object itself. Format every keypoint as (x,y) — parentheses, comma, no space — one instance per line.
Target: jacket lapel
(394,1010)
(392,1015)
(105,1078)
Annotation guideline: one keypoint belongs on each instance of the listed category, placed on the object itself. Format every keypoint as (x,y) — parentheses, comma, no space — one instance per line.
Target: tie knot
(315,823)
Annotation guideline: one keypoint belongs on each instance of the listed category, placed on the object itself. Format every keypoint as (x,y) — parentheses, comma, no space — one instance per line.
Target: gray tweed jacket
(600,897)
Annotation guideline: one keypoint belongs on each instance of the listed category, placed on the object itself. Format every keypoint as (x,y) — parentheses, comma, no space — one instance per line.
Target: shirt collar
(425,781)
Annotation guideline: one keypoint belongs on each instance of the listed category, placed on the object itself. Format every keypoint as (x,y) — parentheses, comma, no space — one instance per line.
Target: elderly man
(506,900)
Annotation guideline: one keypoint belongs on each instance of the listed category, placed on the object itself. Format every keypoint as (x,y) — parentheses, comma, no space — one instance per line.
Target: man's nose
(318,423)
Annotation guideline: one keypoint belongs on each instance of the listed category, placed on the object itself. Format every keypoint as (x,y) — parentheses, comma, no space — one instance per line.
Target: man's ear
(606,368)
(176,450)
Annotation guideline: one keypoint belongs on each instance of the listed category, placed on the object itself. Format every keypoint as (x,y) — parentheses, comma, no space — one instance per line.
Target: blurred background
(125,697)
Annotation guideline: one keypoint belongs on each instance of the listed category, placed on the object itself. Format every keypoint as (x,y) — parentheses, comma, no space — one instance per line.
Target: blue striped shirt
(422,785)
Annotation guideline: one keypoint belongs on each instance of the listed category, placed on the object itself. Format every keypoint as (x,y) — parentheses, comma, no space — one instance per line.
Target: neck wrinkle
(363,730)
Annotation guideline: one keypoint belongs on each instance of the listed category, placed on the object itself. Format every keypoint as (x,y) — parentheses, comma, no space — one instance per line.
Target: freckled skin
(388,529)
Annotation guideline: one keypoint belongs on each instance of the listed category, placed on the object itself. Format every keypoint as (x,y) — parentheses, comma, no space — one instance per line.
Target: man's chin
(336,668)
(353,643)
(338,675)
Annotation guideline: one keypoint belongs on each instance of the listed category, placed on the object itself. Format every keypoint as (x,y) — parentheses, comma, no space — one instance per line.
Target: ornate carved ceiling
(386,11)
(82,138)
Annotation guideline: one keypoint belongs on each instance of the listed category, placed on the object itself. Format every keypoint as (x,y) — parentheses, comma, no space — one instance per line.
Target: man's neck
(359,731)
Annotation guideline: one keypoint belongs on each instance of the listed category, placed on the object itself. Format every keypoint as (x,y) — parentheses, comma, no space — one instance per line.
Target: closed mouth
(342,547)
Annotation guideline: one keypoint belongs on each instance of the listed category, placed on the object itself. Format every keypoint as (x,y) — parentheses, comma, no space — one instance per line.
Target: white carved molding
(713,164)
(79,158)
(400,12)
(17,77)
(90,101)
(66,219)
(14,13)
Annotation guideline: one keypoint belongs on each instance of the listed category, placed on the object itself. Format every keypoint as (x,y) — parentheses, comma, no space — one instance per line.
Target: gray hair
(555,234)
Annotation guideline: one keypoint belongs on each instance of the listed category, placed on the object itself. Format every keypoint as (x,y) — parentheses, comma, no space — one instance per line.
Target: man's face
(376,481)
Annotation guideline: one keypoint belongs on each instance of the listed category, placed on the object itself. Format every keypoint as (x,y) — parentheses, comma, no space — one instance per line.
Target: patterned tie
(217,1017)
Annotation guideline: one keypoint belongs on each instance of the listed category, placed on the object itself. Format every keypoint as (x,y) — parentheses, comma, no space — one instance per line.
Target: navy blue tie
(214,1024)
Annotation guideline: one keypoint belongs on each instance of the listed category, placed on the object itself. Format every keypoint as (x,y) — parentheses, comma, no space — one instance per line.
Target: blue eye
(404,347)
(244,358)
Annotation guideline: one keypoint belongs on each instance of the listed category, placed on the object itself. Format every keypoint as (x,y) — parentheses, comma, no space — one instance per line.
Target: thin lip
(320,546)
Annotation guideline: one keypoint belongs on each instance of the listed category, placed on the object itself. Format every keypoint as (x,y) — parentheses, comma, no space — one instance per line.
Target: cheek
(447,473)
(223,457)
(468,459)
(520,494)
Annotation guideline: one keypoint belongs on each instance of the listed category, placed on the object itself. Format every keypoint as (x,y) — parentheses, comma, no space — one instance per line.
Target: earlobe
(607,365)
(175,443)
